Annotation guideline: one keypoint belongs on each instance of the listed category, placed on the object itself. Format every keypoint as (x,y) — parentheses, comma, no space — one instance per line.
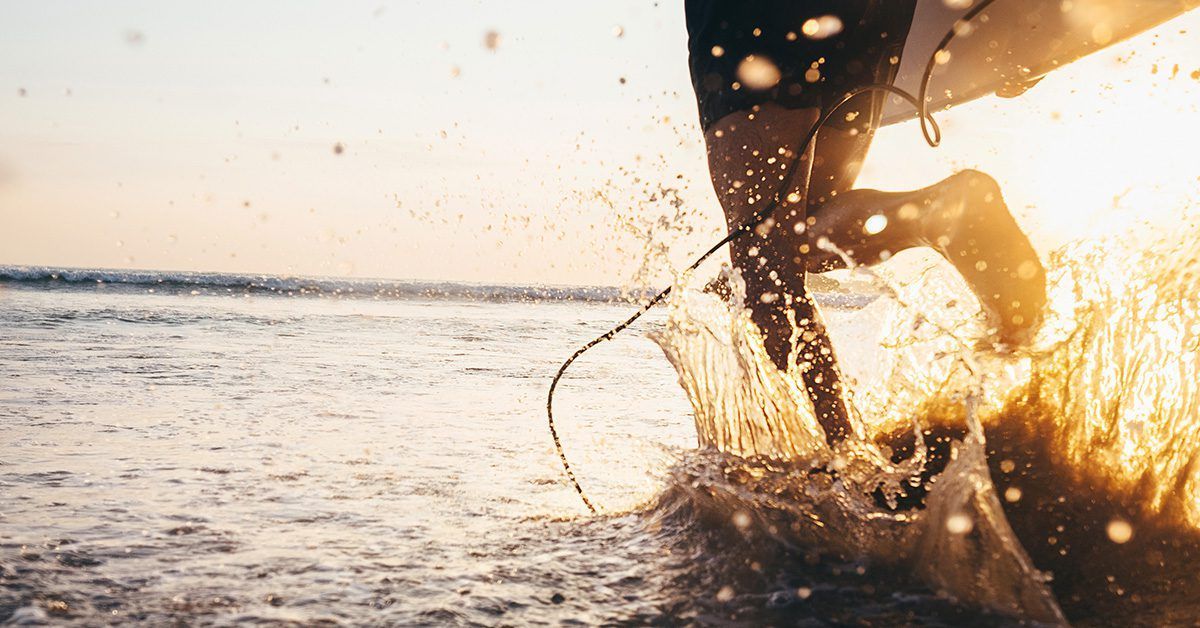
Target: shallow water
(224,457)
(1057,483)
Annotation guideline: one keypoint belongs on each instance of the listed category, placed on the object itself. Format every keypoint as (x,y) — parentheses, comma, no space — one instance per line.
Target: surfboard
(1012,43)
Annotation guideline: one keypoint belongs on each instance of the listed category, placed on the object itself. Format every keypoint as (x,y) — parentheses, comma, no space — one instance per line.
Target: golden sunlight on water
(1123,379)
(1060,478)
(1108,394)
(326,459)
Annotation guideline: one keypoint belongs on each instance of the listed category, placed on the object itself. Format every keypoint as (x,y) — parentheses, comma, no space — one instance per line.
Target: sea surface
(209,449)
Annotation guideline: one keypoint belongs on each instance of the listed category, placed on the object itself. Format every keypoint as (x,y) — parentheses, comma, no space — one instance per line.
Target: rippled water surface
(213,456)
(229,458)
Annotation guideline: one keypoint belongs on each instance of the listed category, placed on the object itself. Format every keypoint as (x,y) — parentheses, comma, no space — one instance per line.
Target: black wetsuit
(866,49)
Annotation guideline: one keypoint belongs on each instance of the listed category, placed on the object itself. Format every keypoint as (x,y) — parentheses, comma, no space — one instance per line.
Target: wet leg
(965,219)
(749,155)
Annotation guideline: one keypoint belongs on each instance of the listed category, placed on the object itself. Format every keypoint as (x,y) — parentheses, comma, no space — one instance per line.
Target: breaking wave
(219,283)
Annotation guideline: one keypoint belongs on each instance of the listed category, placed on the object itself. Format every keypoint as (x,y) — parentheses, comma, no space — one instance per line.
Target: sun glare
(1097,146)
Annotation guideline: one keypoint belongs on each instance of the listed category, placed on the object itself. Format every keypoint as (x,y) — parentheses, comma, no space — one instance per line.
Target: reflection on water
(169,457)
(221,459)
(302,459)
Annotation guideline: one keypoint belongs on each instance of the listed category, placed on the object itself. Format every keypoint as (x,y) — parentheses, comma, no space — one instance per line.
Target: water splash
(845,498)
(1122,380)
(1106,399)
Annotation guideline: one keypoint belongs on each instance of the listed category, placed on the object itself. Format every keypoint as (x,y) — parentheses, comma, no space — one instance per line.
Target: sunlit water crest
(1058,456)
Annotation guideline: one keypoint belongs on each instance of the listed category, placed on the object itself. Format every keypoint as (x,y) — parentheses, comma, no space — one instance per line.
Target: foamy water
(213,452)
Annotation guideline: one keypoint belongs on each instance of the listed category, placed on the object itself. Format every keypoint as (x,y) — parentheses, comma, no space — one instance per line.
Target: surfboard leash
(929,129)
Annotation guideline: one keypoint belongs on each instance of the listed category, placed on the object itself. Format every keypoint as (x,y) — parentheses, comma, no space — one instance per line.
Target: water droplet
(1119,531)
(491,40)
(959,524)
(758,72)
(822,27)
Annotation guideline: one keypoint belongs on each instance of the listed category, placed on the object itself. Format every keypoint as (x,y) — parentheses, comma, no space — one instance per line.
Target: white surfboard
(1013,42)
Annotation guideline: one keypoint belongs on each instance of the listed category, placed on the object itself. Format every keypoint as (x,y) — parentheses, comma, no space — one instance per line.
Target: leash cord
(929,129)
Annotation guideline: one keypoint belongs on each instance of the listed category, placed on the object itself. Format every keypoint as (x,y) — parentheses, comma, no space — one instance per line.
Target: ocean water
(211,449)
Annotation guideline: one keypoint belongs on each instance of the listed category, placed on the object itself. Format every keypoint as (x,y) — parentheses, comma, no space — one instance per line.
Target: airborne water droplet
(959,524)
(491,40)
(875,224)
(758,72)
(822,27)
(1119,531)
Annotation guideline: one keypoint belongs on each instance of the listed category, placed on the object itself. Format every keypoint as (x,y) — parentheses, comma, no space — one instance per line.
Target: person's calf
(964,218)
(794,336)
(972,227)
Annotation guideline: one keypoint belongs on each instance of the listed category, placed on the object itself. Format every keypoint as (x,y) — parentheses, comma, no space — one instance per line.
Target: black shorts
(813,73)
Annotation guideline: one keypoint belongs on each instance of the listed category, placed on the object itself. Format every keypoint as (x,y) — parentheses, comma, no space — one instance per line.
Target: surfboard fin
(1012,89)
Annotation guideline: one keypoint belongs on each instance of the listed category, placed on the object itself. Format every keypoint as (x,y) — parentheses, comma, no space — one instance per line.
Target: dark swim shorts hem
(768,35)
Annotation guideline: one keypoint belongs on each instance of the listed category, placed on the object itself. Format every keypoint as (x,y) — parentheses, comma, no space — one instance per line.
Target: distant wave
(217,283)
(183,282)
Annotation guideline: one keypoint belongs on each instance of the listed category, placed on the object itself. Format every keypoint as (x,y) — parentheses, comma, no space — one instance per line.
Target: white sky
(199,136)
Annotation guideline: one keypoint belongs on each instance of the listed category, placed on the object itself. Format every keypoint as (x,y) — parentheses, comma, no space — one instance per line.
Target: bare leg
(964,218)
(749,155)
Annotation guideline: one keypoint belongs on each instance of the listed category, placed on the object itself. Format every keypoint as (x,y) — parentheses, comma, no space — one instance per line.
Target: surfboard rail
(1012,43)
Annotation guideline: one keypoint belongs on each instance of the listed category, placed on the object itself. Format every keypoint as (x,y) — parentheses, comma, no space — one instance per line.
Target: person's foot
(996,259)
